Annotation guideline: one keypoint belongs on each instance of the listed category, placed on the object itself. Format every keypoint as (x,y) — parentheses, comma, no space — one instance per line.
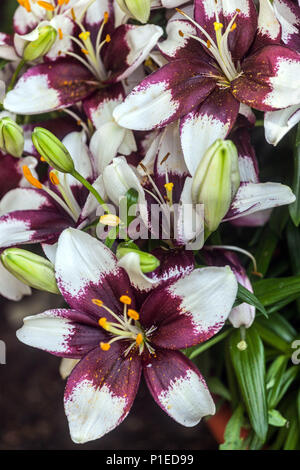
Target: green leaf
(265,250)
(276,418)
(274,380)
(196,350)
(249,366)
(294,208)
(276,331)
(270,291)
(232,439)
(244,295)
(218,388)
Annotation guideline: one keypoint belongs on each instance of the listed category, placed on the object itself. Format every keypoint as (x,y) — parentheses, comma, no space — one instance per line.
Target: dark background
(31,389)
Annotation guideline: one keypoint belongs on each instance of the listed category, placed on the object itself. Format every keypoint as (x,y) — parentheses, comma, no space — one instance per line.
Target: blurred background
(31,389)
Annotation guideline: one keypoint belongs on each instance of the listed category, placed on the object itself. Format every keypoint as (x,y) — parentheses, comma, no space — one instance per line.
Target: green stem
(209,344)
(16,74)
(91,189)
(259,123)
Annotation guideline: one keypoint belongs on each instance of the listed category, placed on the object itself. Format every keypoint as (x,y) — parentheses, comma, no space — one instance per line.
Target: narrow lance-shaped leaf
(249,366)
(295,207)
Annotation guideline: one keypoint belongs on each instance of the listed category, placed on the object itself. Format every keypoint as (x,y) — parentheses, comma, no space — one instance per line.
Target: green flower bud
(148,262)
(138,9)
(11,137)
(216,181)
(52,150)
(38,48)
(33,270)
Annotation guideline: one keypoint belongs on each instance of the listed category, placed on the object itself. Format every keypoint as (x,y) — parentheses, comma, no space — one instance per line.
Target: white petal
(285,84)
(131,264)
(207,296)
(278,123)
(268,24)
(32,96)
(46,332)
(22,199)
(105,143)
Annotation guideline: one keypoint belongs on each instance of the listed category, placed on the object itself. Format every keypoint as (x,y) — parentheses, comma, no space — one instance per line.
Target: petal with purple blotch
(62,332)
(270,79)
(85,270)
(178,387)
(100,391)
(191,310)
(278,123)
(129,46)
(253,197)
(166,95)
(212,120)
(46,87)
(288,14)
(240,38)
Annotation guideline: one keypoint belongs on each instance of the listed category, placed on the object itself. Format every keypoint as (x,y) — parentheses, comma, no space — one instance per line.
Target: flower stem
(16,74)
(91,189)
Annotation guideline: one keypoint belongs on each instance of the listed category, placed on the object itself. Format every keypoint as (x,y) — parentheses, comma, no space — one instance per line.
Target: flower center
(219,48)
(126,328)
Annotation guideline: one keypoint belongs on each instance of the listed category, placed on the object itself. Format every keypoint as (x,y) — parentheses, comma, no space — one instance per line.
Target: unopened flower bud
(38,48)
(52,150)
(138,9)
(11,137)
(216,181)
(148,262)
(31,269)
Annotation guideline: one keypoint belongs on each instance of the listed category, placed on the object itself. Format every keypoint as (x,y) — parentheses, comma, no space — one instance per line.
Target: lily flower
(39,214)
(212,70)
(117,337)
(100,65)
(11,177)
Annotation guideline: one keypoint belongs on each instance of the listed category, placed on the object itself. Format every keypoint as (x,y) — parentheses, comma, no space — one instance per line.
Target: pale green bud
(38,48)
(52,150)
(216,181)
(11,137)
(138,9)
(31,269)
(148,262)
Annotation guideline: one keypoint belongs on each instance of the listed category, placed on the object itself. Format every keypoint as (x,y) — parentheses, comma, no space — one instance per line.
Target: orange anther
(30,178)
(125,299)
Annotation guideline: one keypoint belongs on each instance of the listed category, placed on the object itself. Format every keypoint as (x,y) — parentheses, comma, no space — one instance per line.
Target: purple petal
(178,387)
(100,392)
(62,332)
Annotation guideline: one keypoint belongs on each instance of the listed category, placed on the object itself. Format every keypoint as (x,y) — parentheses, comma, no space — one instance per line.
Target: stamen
(104,346)
(46,5)
(103,322)
(85,51)
(169,186)
(139,339)
(30,178)
(97,302)
(133,314)
(25,4)
(218,26)
(105,17)
(60,34)
(84,35)
(110,219)
(73,14)
(233,27)
(125,299)
(54,178)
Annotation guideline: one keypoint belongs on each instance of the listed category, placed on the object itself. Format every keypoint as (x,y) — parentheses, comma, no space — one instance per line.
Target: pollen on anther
(139,339)
(180,33)
(30,178)
(104,346)
(46,5)
(125,299)
(54,178)
(133,314)
(84,35)
(218,26)
(110,219)
(85,51)
(60,34)
(97,302)
(107,38)
(105,17)
(233,27)
(102,322)
(169,186)
(208,43)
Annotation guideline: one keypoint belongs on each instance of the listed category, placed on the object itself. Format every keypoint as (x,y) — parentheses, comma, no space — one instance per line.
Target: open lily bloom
(12,177)
(164,188)
(117,337)
(281,22)
(40,213)
(212,70)
(102,61)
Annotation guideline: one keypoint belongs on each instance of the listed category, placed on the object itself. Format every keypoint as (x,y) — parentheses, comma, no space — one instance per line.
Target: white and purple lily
(40,213)
(11,177)
(212,70)
(117,334)
(103,61)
